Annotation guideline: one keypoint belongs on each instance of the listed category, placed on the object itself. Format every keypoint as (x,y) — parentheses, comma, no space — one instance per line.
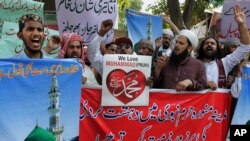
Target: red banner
(169,116)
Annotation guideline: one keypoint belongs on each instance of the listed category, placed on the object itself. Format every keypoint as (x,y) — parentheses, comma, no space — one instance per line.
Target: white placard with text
(124,78)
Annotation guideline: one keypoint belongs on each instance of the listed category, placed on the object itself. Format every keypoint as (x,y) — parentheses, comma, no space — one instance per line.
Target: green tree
(186,14)
(122,6)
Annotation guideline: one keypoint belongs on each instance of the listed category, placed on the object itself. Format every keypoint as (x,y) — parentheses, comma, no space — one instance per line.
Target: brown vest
(222,83)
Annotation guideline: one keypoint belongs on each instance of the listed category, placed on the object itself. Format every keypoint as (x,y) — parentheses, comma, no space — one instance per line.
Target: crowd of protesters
(174,66)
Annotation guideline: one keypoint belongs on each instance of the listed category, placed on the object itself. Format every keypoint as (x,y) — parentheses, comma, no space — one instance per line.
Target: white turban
(169,32)
(192,37)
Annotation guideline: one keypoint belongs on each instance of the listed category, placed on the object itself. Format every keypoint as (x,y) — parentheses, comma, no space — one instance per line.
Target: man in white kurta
(209,48)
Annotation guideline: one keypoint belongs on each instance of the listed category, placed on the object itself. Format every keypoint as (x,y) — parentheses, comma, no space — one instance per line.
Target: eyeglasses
(122,45)
(29,17)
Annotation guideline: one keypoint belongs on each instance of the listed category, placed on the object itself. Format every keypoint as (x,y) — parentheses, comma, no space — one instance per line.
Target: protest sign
(12,10)
(85,17)
(228,26)
(39,95)
(169,116)
(124,78)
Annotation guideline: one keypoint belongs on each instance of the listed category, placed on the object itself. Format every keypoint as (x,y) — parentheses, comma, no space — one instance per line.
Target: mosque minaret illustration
(54,132)
(54,110)
(149,28)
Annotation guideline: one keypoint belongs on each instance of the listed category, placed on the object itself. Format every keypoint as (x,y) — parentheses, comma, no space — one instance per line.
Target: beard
(29,50)
(165,46)
(209,53)
(73,55)
(177,59)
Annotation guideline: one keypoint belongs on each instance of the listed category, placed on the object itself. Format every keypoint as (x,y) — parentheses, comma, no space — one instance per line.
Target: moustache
(209,48)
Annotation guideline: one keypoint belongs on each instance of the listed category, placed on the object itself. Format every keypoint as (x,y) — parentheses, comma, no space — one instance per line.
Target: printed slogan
(124,78)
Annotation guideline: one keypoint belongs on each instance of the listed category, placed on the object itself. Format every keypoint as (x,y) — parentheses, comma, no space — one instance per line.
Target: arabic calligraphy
(128,89)
(125,86)
(228,27)
(11,32)
(99,7)
(89,111)
(110,136)
(83,31)
(230,11)
(19,48)
(19,5)
(231,33)
(188,136)
(7,19)
(87,32)
(175,116)
(24,71)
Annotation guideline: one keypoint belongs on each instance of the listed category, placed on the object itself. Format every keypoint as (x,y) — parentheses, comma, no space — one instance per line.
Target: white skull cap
(192,37)
(169,32)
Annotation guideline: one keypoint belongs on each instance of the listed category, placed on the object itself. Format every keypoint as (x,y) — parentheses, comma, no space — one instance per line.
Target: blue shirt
(23,55)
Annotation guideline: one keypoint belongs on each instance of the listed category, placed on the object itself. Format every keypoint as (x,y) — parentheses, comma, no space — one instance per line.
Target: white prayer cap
(169,32)
(192,37)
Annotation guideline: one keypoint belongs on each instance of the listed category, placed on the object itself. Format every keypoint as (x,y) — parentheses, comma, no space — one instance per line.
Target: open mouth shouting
(36,42)
(209,50)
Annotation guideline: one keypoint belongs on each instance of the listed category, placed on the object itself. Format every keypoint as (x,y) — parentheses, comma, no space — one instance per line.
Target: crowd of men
(172,52)
(174,65)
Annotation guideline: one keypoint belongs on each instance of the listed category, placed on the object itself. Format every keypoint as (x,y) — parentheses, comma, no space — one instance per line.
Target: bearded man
(217,69)
(181,71)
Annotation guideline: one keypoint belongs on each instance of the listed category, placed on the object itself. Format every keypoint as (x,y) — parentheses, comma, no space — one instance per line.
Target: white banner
(84,17)
(229,28)
(12,10)
(124,78)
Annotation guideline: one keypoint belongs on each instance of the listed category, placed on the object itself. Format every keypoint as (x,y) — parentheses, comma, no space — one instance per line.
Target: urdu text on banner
(11,10)
(169,116)
(39,95)
(228,26)
(85,17)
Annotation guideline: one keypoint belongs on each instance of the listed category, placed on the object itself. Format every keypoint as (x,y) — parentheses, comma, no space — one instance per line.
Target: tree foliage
(186,14)
(122,6)
(217,3)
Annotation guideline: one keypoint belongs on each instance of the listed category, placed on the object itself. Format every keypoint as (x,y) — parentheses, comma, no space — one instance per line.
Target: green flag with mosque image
(40,99)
